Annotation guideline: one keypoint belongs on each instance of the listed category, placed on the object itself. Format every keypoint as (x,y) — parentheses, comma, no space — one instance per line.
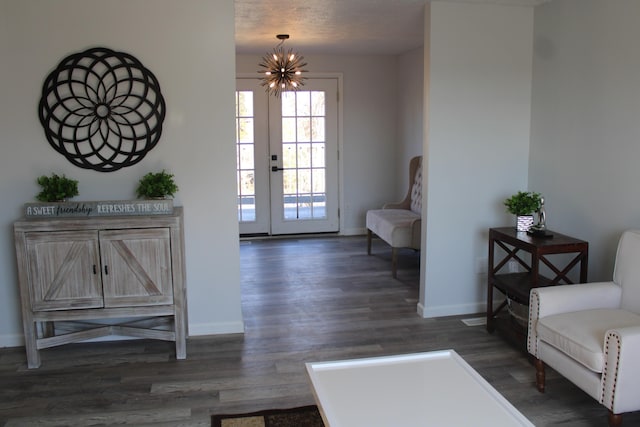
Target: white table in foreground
(424,389)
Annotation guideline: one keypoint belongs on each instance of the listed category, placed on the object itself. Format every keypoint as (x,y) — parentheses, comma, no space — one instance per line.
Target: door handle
(276,169)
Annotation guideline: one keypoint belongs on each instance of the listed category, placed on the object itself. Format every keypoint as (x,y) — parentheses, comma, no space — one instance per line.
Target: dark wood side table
(516,286)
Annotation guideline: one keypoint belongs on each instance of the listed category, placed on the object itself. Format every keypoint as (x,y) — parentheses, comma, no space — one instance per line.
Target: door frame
(339,78)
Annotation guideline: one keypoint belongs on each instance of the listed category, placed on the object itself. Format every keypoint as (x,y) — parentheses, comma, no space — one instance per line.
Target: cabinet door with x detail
(136,267)
(63,270)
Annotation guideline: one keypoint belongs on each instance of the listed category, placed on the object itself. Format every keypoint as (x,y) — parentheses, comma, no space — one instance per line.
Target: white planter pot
(524,222)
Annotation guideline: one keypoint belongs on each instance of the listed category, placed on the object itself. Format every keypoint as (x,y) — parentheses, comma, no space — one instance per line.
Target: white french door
(252,147)
(287,158)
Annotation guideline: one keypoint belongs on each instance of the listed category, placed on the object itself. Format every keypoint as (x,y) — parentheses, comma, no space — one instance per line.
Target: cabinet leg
(31,344)
(180,325)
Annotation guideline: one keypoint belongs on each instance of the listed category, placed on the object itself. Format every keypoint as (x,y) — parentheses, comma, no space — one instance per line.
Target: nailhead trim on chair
(610,336)
(533,346)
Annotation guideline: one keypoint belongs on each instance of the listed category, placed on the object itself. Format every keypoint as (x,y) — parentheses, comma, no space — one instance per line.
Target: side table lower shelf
(517,286)
(509,328)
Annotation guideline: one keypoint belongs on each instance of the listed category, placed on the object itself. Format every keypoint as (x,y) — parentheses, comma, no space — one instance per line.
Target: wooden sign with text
(99,208)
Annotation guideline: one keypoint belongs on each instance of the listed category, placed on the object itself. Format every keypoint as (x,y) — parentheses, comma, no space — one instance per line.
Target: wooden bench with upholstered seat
(399,224)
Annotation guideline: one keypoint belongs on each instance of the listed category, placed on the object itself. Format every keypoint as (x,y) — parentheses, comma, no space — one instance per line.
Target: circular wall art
(102,109)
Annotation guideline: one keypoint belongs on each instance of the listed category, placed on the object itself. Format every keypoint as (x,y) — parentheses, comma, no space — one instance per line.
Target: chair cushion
(394,226)
(580,334)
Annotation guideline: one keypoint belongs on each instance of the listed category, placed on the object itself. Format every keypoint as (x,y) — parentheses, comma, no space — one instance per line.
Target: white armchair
(590,333)
(399,224)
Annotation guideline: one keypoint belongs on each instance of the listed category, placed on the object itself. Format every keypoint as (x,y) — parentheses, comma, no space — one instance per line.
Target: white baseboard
(216,328)
(452,310)
(12,340)
(353,231)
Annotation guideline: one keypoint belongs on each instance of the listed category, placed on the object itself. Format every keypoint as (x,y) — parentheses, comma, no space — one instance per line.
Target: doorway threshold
(249,237)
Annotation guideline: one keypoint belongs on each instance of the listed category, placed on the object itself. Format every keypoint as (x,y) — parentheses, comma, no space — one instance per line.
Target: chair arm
(551,300)
(621,374)
(566,298)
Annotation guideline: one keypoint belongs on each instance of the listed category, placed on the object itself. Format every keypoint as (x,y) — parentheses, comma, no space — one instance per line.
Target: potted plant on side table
(523,205)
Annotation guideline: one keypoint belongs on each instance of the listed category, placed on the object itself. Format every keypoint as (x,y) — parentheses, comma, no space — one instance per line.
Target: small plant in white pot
(523,205)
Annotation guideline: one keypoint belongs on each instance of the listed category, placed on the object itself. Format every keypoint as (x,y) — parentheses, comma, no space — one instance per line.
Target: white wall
(477,145)
(410,115)
(370,129)
(585,139)
(189,46)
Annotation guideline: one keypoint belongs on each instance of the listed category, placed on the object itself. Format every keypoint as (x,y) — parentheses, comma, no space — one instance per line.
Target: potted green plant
(56,188)
(523,205)
(155,185)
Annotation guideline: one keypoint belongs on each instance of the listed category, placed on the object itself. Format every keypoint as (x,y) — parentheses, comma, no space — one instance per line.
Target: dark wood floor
(303,300)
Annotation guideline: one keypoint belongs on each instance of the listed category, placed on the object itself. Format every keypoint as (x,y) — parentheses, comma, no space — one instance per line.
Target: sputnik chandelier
(282,72)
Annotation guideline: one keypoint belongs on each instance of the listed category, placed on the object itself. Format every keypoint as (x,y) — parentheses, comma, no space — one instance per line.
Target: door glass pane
(304,181)
(304,206)
(317,129)
(245,150)
(289,129)
(290,184)
(288,104)
(303,156)
(318,156)
(289,160)
(318,104)
(245,130)
(304,129)
(319,205)
(303,102)
(318,181)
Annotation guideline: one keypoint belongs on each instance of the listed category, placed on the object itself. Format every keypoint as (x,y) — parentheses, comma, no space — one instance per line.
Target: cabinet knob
(106,269)
(95,271)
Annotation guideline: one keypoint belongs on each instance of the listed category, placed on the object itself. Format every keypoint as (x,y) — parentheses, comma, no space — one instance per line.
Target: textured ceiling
(330,26)
(337,26)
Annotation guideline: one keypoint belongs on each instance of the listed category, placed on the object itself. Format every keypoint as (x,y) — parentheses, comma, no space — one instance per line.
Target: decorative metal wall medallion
(102,109)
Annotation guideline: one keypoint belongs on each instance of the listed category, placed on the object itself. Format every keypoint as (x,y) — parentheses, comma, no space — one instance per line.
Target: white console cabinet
(83,278)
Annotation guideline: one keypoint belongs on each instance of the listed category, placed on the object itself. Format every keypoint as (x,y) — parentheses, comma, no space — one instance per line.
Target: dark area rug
(304,416)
